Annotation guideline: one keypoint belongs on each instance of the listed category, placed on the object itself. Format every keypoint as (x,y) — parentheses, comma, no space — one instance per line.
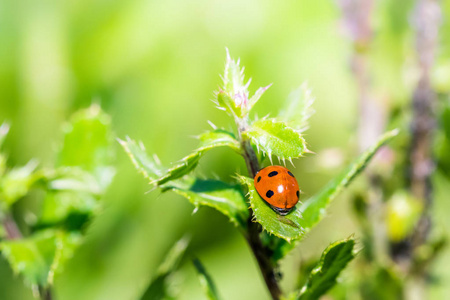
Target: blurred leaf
(4,129)
(445,119)
(84,171)
(383,283)
(16,183)
(298,108)
(403,212)
(275,137)
(427,253)
(442,149)
(152,169)
(72,179)
(314,208)
(440,77)
(158,287)
(305,216)
(442,139)
(66,245)
(39,257)
(2,165)
(62,207)
(287,227)
(71,199)
(87,144)
(334,259)
(206,281)
(226,198)
(259,92)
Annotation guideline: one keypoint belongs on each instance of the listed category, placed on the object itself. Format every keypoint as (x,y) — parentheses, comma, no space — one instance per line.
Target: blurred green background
(153,66)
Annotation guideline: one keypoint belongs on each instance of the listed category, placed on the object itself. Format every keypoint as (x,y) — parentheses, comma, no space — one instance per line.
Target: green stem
(11,228)
(45,293)
(261,253)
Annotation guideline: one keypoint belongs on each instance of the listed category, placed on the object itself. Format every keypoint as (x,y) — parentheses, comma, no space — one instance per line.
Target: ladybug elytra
(278,187)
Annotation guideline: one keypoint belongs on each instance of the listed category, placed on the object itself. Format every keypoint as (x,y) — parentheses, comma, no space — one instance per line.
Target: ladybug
(278,187)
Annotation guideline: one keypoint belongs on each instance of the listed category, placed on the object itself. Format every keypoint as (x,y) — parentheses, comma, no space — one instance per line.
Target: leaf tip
(212,124)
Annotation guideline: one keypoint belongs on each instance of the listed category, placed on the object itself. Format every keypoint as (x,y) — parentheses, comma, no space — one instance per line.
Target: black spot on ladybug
(298,194)
(273,173)
(259,178)
(269,193)
(289,172)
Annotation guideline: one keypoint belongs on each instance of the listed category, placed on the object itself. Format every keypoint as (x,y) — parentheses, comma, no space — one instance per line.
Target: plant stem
(357,16)
(12,231)
(45,293)
(426,21)
(261,253)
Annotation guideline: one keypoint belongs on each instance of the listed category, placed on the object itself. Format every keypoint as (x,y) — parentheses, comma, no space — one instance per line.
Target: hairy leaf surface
(298,108)
(159,175)
(276,138)
(226,198)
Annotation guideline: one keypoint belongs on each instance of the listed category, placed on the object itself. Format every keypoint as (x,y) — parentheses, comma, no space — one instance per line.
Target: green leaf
(159,287)
(72,210)
(445,119)
(71,199)
(226,198)
(152,169)
(288,227)
(259,92)
(305,216)
(39,257)
(16,183)
(87,144)
(218,138)
(314,208)
(276,138)
(208,140)
(334,259)
(234,92)
(226,102)
(83,171)
(206,281)
(66,245)
(382,283)
(298,108)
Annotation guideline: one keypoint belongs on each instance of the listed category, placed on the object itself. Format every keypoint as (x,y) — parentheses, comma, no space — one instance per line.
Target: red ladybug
(278,187)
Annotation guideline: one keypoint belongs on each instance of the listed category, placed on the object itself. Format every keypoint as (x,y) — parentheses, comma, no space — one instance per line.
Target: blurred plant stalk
(426,19)
(426,22)
(357,16)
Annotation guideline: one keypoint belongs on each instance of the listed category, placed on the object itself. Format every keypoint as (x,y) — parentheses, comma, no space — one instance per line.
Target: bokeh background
(153,66)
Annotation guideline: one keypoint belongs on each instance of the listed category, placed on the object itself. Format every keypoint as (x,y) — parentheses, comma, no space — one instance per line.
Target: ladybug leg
(281,211)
